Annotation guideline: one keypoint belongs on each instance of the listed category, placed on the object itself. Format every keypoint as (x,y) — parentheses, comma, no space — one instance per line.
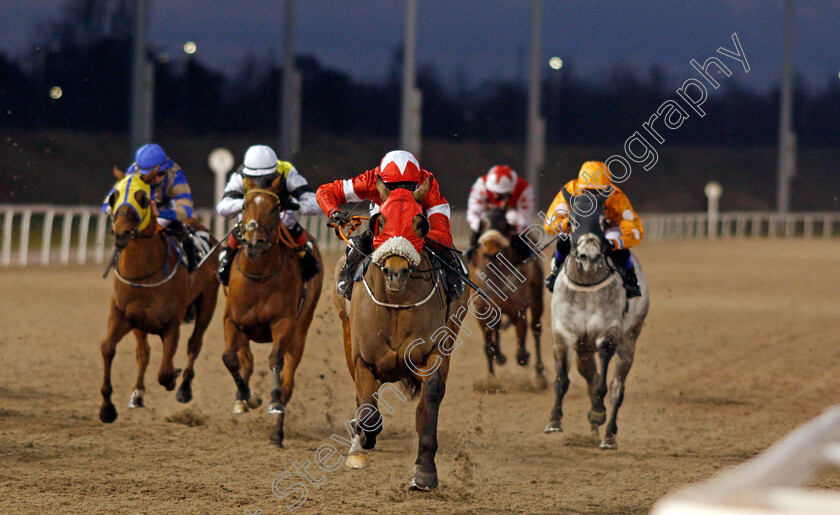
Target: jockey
(501,188)
(171,195)
(398,169)
(259,169)
(625,230)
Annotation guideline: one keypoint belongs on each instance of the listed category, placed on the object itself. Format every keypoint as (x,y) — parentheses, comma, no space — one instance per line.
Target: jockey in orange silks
(398,169)
(625,226)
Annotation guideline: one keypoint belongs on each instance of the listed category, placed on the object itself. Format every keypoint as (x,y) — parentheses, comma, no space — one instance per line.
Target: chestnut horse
(517,288)
(390,327)
(267,302)
(152,290)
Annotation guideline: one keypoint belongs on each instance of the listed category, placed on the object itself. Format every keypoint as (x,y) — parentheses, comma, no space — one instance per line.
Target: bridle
(604,263)
(271,233)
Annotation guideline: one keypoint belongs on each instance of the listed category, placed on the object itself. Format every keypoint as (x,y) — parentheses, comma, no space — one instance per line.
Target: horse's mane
(493,235)
(396,246)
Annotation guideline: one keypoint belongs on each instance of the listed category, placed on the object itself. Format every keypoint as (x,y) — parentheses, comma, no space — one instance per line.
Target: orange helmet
(593,174)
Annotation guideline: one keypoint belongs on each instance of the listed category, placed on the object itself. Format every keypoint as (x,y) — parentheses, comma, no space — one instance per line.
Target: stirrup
(551,279)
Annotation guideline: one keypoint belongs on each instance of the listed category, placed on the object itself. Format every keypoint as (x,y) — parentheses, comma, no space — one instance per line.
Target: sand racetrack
(741,345)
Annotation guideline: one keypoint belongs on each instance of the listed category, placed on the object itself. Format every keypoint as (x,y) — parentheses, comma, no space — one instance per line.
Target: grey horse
(590,314)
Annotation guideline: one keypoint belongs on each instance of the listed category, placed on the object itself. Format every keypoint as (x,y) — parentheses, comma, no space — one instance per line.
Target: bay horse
(391,326)
(516,288)
(267,302)
(152,291)
(590,314)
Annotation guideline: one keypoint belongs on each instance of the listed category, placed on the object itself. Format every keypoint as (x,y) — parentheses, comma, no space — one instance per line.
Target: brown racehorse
(390,328)
(521,283)
(268,303)
(152,291)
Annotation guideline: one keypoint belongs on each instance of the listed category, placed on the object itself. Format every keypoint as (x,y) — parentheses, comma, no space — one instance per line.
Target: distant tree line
(87,54)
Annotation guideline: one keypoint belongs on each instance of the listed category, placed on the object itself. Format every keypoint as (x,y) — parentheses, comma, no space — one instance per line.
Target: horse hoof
(239,407)
(276,408)
(522,357)
(423,481)
(608,443)
(184,394)
(108,413)
(170,382)
(501,359)
(276,442)
(597,418)
(357,461)
(553,427)
(136,400)
(254,401)
(540,383)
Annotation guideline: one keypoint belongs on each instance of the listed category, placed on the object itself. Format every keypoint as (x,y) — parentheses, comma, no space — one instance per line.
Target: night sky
(487,39)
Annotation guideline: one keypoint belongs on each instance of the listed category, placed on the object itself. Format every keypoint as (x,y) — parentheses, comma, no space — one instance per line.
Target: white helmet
(501,179)
(259,160)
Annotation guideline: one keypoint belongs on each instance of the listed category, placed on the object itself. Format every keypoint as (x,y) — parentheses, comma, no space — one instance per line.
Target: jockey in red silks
(398,169)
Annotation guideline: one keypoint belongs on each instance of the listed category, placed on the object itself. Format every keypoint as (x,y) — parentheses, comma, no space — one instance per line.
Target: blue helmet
(149,156)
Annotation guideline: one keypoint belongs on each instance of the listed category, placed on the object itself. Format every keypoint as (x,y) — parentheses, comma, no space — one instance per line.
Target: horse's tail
(411,385)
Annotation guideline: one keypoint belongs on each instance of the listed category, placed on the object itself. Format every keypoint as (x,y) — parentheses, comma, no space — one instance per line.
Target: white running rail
(49,234)
(770,483)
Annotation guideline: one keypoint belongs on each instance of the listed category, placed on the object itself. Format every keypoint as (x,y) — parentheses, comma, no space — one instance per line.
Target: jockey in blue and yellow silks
(625,226)
(170,194)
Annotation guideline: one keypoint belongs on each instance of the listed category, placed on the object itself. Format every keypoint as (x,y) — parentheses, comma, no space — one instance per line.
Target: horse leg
(623,362)
(282,365)
(598,413)
(367,421)
(235,340)
(522,354)
(204,313)
(246,361)
(142,351)
(348,343)
(431,395)
(489,350)
(561,384)
(501,359)
(536,330)
(118,327)
(168,374)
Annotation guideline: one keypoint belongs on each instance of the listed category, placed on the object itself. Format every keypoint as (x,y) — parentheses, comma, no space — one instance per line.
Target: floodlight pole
(290,89)
(412,101)
(787,138)
(142,82)
(535,145)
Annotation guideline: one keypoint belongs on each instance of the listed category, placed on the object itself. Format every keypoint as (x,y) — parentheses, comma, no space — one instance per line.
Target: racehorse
(391,326)
(268,302)
(590,314)
(152,291)
(516,288)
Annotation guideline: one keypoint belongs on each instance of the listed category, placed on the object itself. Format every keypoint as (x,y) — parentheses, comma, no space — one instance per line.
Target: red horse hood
(397,237)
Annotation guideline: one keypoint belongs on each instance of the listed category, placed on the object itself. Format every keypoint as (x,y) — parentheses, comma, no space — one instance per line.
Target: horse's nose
(262,241)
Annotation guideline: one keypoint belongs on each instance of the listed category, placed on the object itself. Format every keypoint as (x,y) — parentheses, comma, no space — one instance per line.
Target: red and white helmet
(399,166)
(501,179)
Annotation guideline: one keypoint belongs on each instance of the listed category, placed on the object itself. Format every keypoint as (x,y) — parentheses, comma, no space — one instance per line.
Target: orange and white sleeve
(556,220)
(619,212)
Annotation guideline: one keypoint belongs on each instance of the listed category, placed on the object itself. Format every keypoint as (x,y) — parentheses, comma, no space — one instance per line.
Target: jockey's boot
(628,276)
(353,269)
(226,256)
(561,251)
(454,275)
(180,231)
(308,262)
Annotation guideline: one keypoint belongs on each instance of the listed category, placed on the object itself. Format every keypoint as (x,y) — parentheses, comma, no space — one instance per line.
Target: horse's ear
(149,177)
(377,224)
(383,190)
(119,174)
(142,199)
(278,185)
(420,193)
(420,224)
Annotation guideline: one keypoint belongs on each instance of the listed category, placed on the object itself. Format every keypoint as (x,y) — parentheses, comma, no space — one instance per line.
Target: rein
(401,306)
(258,278)
(131,281)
